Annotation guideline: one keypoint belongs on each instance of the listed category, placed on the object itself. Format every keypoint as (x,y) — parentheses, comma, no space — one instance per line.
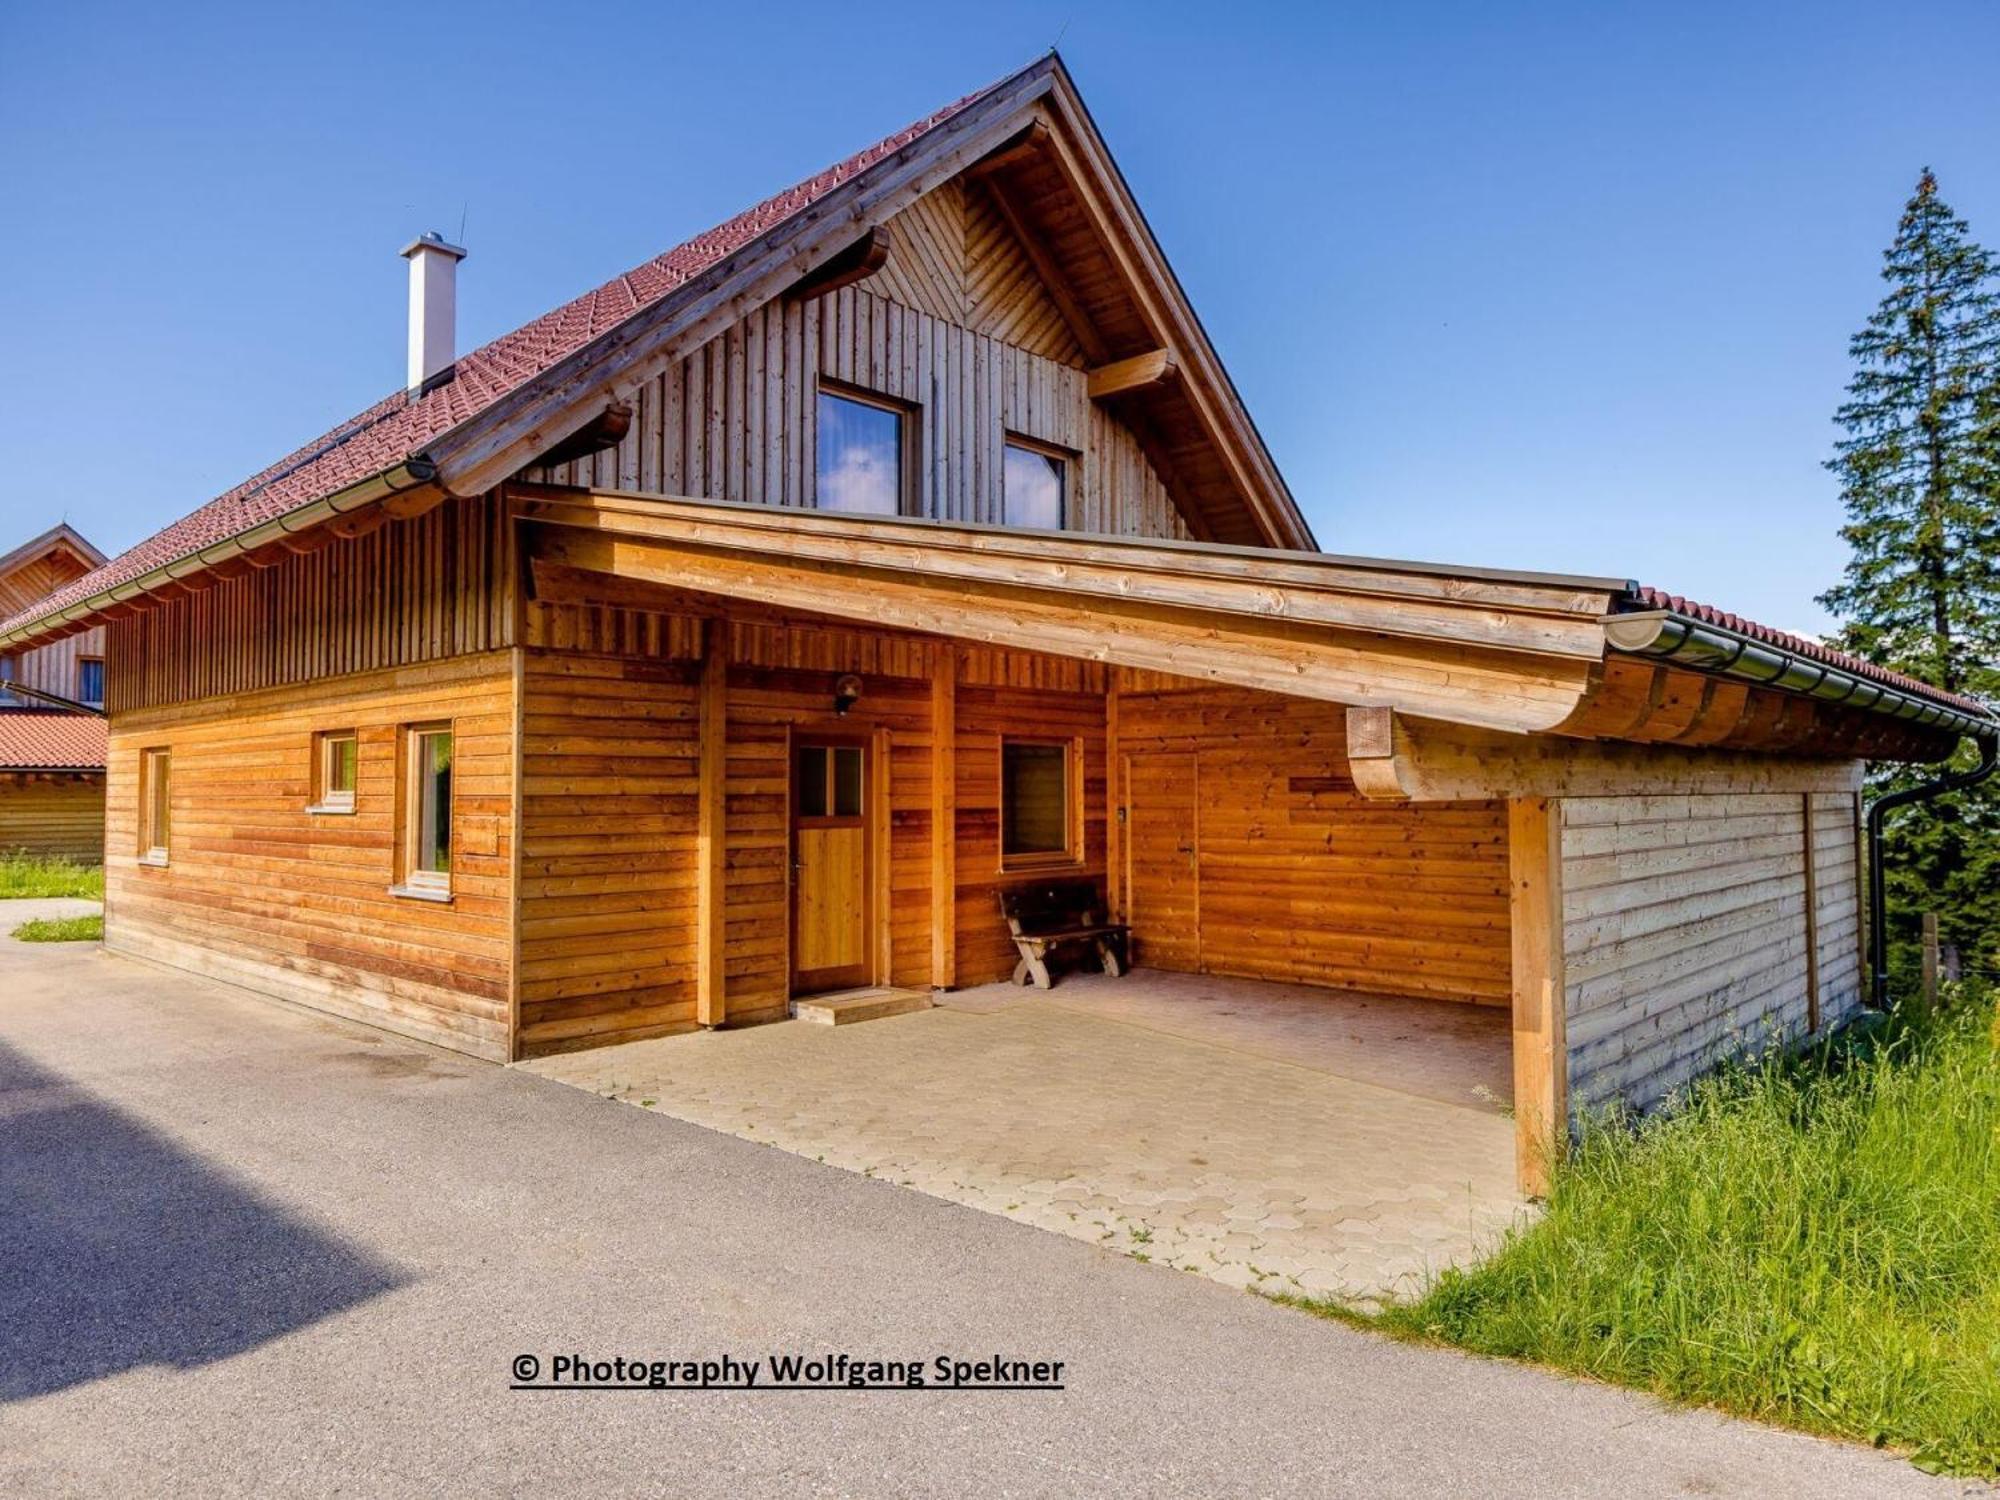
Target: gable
(37,568)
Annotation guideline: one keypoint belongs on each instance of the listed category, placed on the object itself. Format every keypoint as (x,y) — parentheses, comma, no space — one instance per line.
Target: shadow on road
(118,1248)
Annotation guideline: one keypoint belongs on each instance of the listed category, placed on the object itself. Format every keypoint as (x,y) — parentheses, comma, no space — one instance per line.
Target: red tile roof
(1708,614)
(48,739)
(397,428)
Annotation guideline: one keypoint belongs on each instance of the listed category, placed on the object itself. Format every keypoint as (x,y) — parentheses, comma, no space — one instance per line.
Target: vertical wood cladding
(956,326)
(1297,877)
(437,586)
(1685,928)
(53,816)
(263,893)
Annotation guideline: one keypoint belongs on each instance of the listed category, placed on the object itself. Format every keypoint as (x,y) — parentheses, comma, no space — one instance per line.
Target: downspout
(1878,813)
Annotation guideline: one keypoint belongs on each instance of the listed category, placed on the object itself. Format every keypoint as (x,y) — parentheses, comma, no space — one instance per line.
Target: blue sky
(1560,285)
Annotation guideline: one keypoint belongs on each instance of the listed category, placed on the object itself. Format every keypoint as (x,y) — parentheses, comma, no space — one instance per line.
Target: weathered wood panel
(956,326)
(1297,876)
(263,893)
(53,816)
(438,586)
(1685,929)
(56,668)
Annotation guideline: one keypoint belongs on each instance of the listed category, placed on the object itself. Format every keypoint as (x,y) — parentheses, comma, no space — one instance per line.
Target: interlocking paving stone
(1246,1159)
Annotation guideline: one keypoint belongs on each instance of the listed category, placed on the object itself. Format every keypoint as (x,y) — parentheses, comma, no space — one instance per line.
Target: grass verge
(1815,1243)
(62,930)
(26,875)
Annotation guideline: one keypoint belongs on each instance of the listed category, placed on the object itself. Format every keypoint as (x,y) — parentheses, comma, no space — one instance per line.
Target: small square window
(335,760)
(861,465)
(427,825)
(1035,486)
(1039,821)
(155,805)
(90,680)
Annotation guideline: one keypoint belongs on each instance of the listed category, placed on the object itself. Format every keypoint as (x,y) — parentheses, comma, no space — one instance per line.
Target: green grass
(62,930)
(26,875)
(1814,1243)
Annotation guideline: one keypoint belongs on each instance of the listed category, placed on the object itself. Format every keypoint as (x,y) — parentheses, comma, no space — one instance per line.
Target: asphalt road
(246,1250)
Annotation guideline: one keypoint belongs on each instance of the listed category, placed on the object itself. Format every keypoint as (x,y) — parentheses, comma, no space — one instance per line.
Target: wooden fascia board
(1494,689)
(1503,615)
(1090,166)
(510,435)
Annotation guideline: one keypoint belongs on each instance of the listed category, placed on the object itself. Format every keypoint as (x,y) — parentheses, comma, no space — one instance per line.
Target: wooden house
(739,629)
(51,722)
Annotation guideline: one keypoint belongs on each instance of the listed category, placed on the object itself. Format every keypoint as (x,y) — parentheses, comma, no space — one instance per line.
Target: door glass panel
(847,781)
(812,781)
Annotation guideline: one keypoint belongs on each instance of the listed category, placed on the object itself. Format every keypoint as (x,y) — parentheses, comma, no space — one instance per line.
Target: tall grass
(1814,1242)
(32,875)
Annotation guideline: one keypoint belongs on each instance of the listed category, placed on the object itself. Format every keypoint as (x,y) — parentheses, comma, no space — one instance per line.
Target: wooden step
(869,1004)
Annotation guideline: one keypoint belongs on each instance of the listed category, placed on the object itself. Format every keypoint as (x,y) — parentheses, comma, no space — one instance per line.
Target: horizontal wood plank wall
(437,586)
(1837,849)
(53,816)
(1685,932)
(1302,880)
(262,893)
(607,848)
(955,326)
(54,668)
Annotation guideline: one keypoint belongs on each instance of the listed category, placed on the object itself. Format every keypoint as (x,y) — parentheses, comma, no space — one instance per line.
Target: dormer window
(863,459)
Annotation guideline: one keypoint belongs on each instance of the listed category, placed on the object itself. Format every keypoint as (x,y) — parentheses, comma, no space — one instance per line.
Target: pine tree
(1920,478)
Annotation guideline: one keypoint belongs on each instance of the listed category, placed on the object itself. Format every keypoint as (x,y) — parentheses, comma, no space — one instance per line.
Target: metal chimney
(433,305)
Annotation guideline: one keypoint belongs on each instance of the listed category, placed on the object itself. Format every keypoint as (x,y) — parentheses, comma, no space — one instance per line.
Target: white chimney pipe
(433,305)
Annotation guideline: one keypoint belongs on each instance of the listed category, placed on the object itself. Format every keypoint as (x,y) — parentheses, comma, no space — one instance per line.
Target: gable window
(155,805)
(427,763)
(1040,803)
(1035,486)
(90,680)
(862,465)
(335,758)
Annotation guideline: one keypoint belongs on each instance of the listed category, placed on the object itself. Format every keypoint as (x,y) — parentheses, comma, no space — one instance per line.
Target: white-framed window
(336,759)
(427,823)
(1041,802)
(155,805)
(862,462)
(1034,481)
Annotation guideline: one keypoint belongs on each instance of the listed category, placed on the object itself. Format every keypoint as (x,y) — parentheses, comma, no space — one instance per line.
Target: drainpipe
(1878,813)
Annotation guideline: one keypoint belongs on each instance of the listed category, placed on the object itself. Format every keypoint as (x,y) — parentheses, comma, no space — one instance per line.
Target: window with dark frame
(6,680)
(862,458)
(90,680)
(1034,486)
(1038,823)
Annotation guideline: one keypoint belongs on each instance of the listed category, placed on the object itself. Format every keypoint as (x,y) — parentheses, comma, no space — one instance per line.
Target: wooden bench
(1059,914)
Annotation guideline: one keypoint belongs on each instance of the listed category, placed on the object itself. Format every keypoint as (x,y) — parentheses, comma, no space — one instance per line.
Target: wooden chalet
(741,629)
(51,712)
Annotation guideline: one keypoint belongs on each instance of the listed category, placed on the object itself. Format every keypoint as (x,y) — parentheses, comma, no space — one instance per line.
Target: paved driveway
(1239,1145)
(247,1251)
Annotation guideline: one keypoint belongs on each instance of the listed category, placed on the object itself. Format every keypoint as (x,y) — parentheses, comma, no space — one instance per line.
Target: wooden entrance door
(831,920)
(1162,875)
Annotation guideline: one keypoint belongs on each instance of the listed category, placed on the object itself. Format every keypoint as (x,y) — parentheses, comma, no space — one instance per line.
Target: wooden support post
(1812,919)
(1114,804)
(944,818)
(1861,897)
(712,826)
(1541,1050)
(880,864)
(1930,961)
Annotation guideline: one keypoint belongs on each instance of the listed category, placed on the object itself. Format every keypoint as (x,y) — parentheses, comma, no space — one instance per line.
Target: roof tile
(47,739)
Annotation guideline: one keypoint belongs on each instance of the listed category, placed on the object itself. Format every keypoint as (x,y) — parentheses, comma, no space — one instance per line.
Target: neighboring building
(740,629)
(51,725)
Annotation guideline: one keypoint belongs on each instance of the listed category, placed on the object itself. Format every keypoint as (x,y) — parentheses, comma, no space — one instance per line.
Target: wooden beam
(1812,917)
(944,818)
(1541,1049)
(1114,804)
(410,504)
(712,827)
(358,523)
(1134,374)
(1050,275)
(856,263)
(1026,146)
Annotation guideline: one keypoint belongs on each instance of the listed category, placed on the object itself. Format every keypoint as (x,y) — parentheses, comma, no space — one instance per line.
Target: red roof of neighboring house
(48,739)
(1708,614)
(397,428)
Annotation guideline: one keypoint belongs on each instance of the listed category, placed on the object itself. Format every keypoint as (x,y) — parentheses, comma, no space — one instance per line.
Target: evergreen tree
(1920,478)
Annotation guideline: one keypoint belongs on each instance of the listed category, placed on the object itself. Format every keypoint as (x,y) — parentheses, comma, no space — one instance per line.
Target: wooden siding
(955,326)
(1300,878)
(262,893)
(60,816)
(54,668)
(438,586)
(1686,933)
